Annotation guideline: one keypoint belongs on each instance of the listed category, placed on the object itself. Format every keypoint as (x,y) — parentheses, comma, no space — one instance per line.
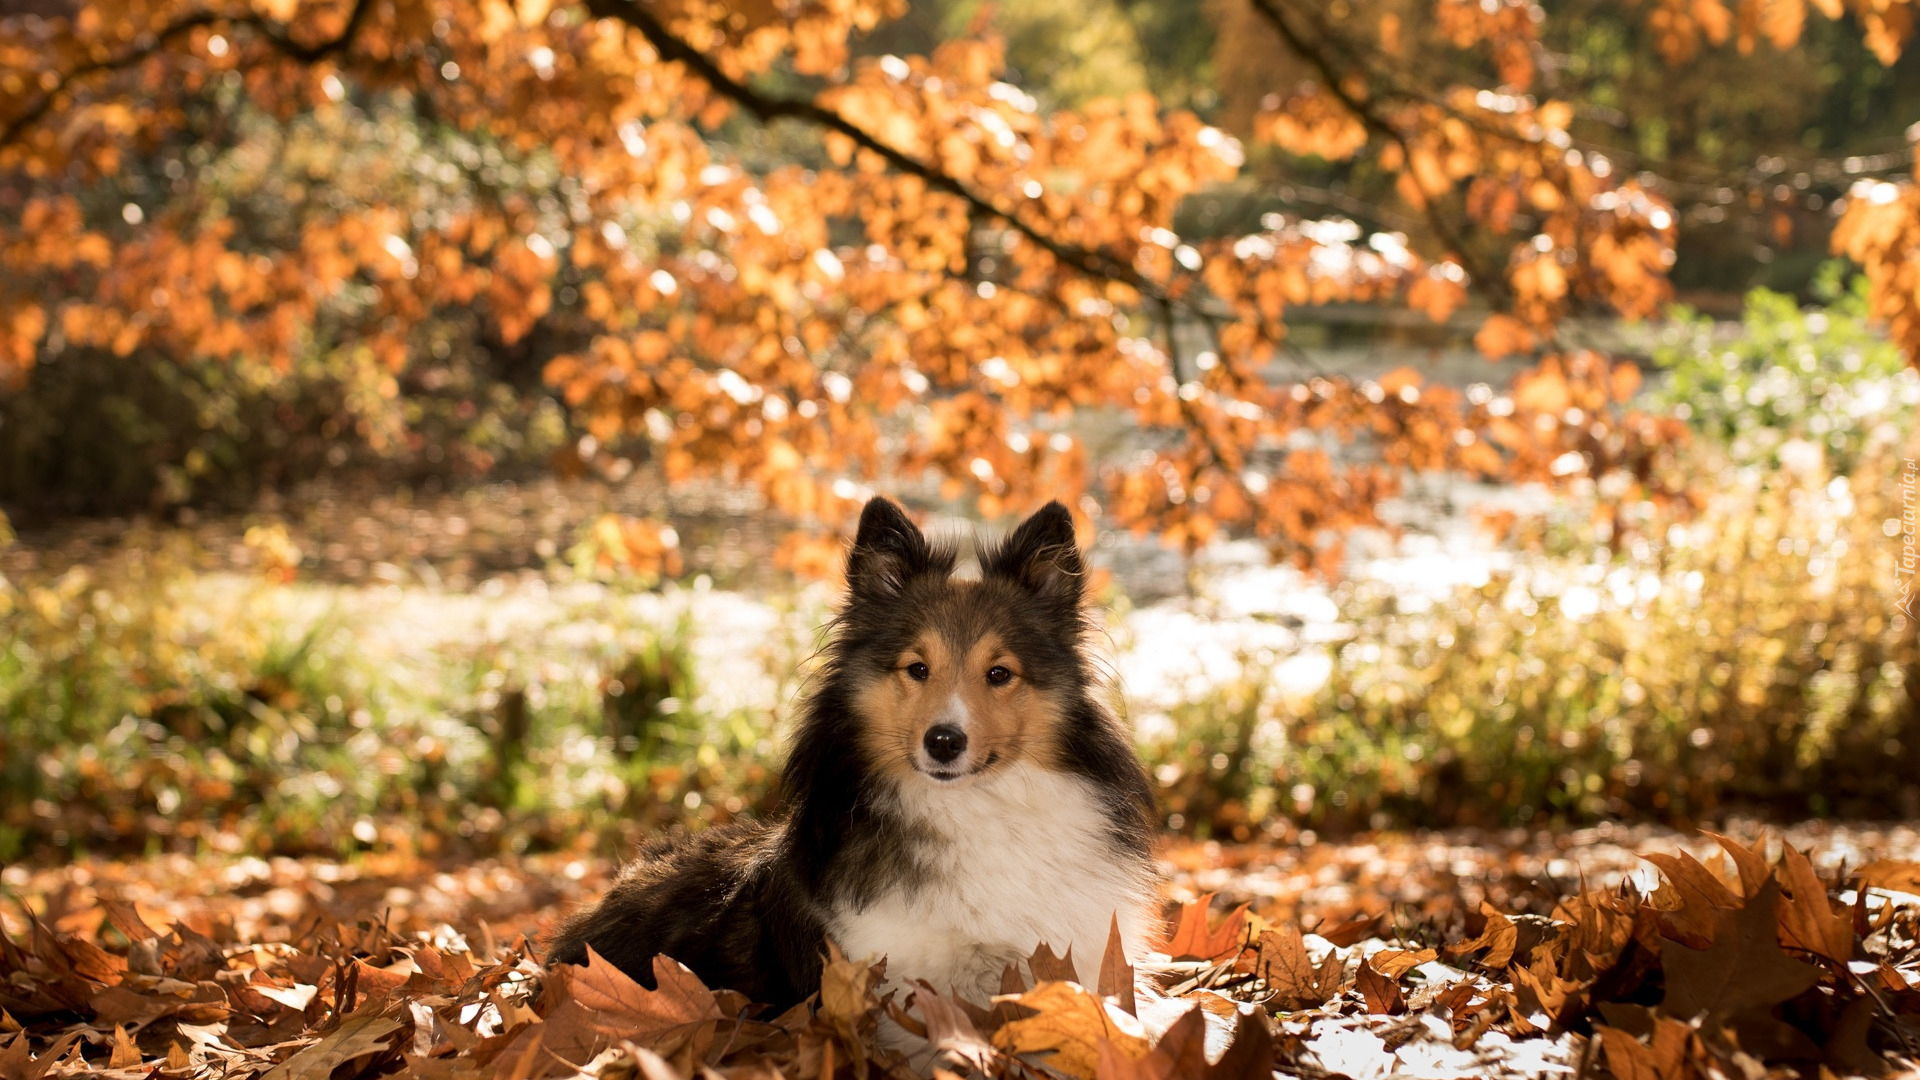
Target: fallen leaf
(363,1034)
(601,1005)
(1743,969)
(1808,922)
(1194,940)
(17,1064)
(376,982)
(1069,1027)
(196,1004)
(1005,1010)
(1748,863)
(125,1054)
(1542,995)
(1498,938)
(846,990)
(949,1029)
(1047,967)
(1393,963)
(1180,1055)
(1664,1058)
(1380,992)
(1279,959)
(680,999)
(1250,1056)
(296,997)
(1894,875)
(125,917)
(1116,975)
(1598,925)
(1351,932)
(522,1059)
(1692,897)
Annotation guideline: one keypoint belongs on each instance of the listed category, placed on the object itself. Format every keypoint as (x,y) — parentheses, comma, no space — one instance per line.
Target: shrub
(1753,656)
(142,705)
(1800,389)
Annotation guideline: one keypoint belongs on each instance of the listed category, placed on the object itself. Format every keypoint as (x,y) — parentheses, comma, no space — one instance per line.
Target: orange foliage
(1879,231)
(936,292)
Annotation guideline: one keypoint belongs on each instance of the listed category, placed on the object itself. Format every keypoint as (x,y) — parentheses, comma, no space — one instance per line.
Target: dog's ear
(1043,555)
(888,551)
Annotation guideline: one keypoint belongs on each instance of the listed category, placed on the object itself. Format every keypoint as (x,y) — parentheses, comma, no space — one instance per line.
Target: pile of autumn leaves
(1753,970)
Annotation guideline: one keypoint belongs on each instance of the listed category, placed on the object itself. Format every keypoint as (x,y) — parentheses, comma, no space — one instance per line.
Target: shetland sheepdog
(955,795)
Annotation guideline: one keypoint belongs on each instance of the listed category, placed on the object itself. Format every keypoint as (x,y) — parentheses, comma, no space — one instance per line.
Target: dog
(955,794)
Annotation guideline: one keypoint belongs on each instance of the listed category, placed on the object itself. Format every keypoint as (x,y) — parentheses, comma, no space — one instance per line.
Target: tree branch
(309,54)
(278,36)
(766,107)
(1371,119)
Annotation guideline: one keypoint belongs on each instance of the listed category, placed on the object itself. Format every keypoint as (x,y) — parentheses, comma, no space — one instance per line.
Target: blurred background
(430,427)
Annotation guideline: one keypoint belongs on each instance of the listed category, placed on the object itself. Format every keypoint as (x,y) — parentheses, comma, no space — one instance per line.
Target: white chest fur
(1019,857)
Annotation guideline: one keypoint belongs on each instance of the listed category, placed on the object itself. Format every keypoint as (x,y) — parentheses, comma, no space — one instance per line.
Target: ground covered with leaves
(1636,954)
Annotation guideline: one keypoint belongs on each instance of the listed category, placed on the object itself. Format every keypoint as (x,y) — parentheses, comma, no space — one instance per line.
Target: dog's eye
(998,676)
(917,671)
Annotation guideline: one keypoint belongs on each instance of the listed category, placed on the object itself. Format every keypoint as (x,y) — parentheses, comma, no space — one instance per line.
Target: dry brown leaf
(846,990)
(64,1052)
(1047,967)
(1748,863)
(1116,975)
(125,1054)
(296,997)
(949,1030)
(1599,924)
(1688,903)
(1894,875)
(1743,969)
(1499,938)
(598,1005)
(680,999)
(1193,939)
(1807,921)
(1181,1054)
(194,1004)
(376,982)
(1393,963)
(1351,932)
(365,1034)
(1069,1028)
(1630,1059)
(1004,1009)
(125,917)
(1539,990)
(15,1055)
(1279,960)
(521,1060)
(1380,992)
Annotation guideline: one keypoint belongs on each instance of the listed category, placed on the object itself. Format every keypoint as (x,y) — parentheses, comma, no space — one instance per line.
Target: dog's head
(949,678)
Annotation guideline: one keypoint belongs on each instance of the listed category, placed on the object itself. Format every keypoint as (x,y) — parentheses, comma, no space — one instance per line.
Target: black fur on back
(744,905)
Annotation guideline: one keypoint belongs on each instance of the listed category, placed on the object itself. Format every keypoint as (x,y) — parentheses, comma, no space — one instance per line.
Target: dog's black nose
(944,743)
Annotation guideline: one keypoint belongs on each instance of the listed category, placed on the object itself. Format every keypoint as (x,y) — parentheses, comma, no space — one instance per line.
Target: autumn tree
(736,249)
